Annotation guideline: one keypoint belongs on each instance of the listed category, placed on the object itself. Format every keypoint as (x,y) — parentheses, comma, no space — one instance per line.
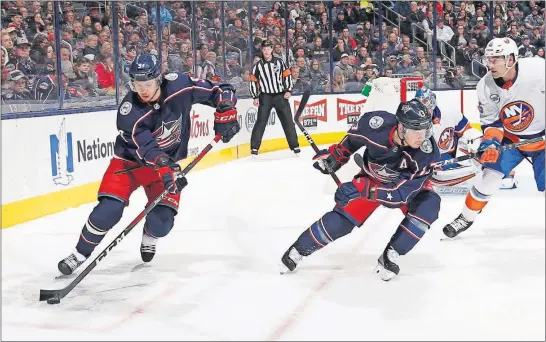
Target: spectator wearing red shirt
(105,72)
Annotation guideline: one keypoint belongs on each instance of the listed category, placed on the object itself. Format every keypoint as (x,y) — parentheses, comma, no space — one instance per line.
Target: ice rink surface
(215,276)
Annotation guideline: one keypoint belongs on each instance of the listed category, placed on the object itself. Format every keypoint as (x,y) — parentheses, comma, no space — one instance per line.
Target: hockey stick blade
(479,153)
(359,160)
(61,293)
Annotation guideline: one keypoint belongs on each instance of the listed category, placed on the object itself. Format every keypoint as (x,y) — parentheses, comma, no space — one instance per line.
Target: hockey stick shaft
(46,294)
(479,153)
(128,169)
(301,108)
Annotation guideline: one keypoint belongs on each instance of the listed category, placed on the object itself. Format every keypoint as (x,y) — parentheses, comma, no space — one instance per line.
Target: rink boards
(55,163)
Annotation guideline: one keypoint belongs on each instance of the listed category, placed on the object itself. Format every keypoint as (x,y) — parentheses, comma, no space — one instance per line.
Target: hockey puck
(54,300)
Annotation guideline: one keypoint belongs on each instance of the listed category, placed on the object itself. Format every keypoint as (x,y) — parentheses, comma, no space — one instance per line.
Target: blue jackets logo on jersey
(62,158)
(168,134)
(517,116)
(382,172)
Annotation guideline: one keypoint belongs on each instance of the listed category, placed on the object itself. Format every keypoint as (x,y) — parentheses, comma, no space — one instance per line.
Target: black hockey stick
(299,112)
(128,169)
(360,162)
(54,296)
(479,153)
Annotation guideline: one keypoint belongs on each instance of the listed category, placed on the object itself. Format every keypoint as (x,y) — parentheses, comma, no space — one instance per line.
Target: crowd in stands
(198,39)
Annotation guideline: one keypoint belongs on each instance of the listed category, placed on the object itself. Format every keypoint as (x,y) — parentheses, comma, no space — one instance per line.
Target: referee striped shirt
(271,77)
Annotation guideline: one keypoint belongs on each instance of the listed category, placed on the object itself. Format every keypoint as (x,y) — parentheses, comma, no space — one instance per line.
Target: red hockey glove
(331,159)
(169,172)
(225,120)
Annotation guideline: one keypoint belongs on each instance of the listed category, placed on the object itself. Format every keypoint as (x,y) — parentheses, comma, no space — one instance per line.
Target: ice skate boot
(254,153)
(71,262)
(459,225)
(290,260)
(386,267)
(147,247)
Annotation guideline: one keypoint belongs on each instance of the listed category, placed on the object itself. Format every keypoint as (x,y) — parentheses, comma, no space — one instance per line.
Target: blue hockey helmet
(414,115)
(145,67)
(427,97)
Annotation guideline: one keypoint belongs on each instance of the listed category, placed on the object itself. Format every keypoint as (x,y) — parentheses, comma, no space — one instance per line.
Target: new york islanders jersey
(447,129)
(401,171)
(517,108)
(148,130)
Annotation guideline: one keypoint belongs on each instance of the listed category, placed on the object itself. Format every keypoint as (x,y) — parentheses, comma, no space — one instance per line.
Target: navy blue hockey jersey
(147,131)
(402,171)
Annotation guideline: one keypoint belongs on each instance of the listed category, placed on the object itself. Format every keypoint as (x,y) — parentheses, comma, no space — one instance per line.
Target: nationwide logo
(349,110)
(63,159)
(313,113)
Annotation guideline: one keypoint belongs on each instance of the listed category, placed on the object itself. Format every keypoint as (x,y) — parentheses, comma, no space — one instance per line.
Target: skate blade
(384,273)
(283,269)
(61,276)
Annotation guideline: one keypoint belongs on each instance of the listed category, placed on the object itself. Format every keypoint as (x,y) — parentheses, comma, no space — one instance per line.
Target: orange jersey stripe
(286,73)
(474,204)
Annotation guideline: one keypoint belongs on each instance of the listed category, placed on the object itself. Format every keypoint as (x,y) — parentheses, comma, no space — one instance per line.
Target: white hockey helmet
(501,47)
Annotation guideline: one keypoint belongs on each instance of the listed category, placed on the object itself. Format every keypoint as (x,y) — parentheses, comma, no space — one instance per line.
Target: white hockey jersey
(520,109)
(448,128)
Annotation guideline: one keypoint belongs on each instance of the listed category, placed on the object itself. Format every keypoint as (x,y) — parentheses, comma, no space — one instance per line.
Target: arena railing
(235,45)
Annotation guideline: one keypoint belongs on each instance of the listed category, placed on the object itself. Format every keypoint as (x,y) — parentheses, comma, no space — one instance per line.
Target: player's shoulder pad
(375,121)
(173,82)
(428,152)
(371,123)
(532,69)
(131,108)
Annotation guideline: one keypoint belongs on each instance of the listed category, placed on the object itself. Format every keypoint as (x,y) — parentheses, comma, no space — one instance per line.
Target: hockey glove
(490,150)
(225,120)
(331,159)
(360,187)
(169,172)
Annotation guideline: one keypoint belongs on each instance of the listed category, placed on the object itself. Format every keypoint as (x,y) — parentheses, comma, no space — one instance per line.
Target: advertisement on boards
(64,151)
(313,113)
(349,111)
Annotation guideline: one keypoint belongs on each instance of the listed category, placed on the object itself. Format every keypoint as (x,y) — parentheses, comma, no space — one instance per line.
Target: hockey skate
(386,267)
(509,182)
(290,260)
(296,151)
(147,247)
(254,153)
(71,262)
(459,225)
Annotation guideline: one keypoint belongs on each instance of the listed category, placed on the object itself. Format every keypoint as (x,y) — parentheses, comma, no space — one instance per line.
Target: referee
(270,86)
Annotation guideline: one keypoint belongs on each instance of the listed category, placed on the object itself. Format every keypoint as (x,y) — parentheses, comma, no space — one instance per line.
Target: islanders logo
(517,116)
(446,138)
